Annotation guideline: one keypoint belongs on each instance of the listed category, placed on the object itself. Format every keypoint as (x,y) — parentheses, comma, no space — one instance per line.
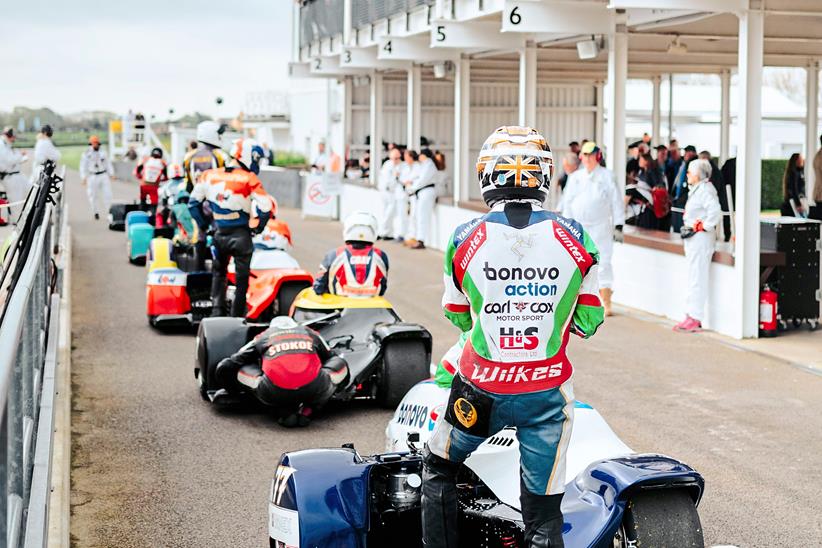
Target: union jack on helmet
(515,162)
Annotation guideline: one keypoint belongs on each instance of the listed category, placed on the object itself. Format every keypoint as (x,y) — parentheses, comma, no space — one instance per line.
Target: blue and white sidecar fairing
(614,497)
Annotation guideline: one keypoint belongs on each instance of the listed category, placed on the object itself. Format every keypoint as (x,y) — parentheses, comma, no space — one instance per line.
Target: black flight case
(797,282)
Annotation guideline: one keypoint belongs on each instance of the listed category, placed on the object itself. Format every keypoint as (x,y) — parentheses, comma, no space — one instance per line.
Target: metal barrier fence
(28,339)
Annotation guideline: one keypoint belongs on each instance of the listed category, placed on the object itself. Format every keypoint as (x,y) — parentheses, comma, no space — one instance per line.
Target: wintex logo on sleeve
(574,248)
(468,249)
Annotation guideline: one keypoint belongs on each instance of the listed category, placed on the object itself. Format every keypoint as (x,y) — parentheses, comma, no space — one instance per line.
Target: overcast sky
(149,55)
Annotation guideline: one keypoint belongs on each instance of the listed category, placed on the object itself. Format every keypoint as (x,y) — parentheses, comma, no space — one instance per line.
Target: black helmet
(156,152)
(47,130)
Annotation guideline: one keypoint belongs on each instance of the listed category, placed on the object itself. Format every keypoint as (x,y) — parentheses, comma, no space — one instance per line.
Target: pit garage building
(451,71)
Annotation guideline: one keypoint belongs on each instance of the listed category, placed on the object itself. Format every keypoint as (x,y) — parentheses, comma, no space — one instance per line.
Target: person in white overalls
(702,213)
(96,172)
(405,202)
(16,185)
(424,194)
(591,197)
(389,185)
(44,151)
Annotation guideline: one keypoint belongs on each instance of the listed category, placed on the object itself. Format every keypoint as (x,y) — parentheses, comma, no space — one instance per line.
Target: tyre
(404,365)
(217,338)
(286,295)
(660,519)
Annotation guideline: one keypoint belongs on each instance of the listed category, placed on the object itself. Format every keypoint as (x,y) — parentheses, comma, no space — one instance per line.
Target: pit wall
(645,279)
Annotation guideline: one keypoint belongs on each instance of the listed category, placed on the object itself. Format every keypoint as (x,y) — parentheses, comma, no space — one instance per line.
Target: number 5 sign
(556,16)
(472,34)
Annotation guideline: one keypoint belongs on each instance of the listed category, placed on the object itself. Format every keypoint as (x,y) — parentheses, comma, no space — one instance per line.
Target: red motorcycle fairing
(166,293)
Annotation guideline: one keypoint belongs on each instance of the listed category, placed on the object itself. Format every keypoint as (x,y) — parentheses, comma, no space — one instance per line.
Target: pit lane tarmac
(154,465)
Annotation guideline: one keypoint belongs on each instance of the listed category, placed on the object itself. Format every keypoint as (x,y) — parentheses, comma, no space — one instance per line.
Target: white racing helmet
(360,226)
(242,150)
(282,322)
(210,133)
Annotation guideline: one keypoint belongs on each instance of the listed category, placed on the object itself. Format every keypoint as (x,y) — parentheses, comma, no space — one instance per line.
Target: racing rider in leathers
(520,280)
(357,269)
(151,172)
(207,155)
(230,192)
(289,367)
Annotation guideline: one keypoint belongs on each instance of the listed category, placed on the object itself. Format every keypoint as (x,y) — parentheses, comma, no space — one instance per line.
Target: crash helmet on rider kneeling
(360,226)
(515,162)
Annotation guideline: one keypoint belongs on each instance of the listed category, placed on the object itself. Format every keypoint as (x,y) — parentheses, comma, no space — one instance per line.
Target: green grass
(71,155)
(284,158)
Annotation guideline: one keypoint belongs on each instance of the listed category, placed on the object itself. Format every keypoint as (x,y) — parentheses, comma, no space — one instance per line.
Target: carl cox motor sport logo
(515,339)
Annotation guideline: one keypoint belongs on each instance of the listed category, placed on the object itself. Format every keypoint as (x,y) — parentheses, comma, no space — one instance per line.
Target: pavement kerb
(718,337)
(59,502)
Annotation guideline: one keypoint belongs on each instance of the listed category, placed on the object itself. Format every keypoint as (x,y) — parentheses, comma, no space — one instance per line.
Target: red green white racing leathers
(520,293)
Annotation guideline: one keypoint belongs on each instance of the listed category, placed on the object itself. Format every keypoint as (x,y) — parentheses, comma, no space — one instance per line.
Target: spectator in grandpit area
(793,187)
(570,164)
(405,203)
(573,148)
(679,192)
(365,164)
(672,163)
(815,211)
(44,151)
(635,150)
(14,182)
(424,195)
(702,214)
(390,188)
(321,158)
(664,222)
(640,194)
(591,197)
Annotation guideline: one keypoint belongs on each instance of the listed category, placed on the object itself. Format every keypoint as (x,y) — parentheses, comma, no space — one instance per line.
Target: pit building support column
(617,77)
(528,85)
(375,149)
(749,170)
(462,114)
(725,116)
(811,125)
(414,107)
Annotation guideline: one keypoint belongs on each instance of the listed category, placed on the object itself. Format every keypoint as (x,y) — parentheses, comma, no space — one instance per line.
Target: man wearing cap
(16,185)
(591,198)
(96,172)
(44,151)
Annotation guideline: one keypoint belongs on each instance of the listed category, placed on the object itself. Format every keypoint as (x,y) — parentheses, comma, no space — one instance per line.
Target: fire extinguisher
(767,312)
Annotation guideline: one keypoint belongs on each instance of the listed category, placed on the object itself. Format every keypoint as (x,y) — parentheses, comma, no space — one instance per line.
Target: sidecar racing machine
(178,289)
(613,496)
(117,215)
(386,356)
(139,233)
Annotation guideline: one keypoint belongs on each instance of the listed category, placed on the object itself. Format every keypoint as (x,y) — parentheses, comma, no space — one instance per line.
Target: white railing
(28,339)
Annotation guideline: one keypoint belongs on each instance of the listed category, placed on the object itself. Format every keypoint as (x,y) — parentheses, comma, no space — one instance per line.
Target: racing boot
(543,519)
(439,502)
